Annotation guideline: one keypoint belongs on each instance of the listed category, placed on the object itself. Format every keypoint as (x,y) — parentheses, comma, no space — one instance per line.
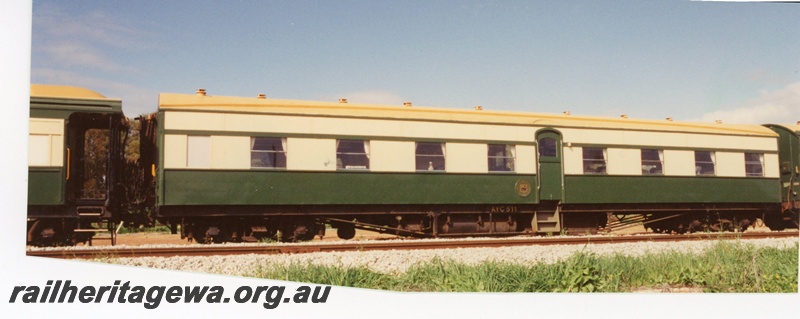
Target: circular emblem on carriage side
(523,188)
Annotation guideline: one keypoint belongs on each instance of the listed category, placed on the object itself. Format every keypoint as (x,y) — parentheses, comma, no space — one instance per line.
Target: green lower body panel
(604,189)
(198,187)
(45,186)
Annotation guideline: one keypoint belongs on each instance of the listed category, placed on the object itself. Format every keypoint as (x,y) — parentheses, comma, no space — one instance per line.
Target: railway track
(209,250)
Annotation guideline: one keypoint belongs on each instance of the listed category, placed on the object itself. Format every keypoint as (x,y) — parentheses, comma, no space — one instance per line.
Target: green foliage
(359,277)
(132,146)
(161,229)
(727,267)
(580,274)
(136,180)
(95,155)
(268,240)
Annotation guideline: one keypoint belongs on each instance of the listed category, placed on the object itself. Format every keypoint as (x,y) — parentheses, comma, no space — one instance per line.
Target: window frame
(541,148)
(599,169)
(277,157)
(712,160)
(648,162)
(509,156)
(759,162)
(436,158)
(340,156)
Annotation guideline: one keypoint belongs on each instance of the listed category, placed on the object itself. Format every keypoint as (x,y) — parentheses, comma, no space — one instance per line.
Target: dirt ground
(137,239)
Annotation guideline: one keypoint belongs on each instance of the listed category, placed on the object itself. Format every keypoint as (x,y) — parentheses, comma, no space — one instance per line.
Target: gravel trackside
(398,261)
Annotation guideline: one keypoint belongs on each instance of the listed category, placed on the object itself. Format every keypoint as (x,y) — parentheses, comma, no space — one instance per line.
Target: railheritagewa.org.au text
(63,291)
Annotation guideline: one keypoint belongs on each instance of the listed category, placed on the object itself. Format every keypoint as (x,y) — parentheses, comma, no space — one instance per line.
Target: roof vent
(201,92)
(407,104)
(566,113)
(624,116)
(262,96)
(669,119)
(479,108)
(342,100)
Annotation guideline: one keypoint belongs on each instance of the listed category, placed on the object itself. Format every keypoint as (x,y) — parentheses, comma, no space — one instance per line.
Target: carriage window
(594,160)
(198,151)
(652,162)
(754,164)
(430,156)
(704,163)
(547,147)
(501,157)
(352,154)
(267,152)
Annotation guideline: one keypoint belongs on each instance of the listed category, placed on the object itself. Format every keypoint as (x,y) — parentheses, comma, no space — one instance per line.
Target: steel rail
(272,249)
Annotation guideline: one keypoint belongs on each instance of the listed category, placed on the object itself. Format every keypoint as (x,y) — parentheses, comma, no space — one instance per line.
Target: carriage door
(87,158)
(551,177)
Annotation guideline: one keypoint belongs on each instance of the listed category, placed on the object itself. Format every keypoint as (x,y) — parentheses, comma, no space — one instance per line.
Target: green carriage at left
(75,163)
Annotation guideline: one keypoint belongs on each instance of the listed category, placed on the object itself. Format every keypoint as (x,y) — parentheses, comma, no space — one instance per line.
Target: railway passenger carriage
(75,154)
(234,168)
(789,161)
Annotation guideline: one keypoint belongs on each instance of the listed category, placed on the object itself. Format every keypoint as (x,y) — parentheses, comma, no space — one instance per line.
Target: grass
(160,229)
(727,267)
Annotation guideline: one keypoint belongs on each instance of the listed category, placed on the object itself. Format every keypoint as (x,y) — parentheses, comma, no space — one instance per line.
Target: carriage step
(546,221)
(92,230)
(91,211)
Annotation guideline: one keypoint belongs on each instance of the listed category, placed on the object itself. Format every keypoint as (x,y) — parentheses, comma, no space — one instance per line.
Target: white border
(15,32)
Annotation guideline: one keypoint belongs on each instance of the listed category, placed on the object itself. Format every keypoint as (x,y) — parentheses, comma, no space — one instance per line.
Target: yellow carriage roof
(63,91)
(228,104)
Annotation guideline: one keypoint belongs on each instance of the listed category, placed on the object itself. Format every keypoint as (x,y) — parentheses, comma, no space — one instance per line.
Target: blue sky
(739,62)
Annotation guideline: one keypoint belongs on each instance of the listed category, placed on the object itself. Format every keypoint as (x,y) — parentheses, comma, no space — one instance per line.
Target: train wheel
(299,230)
(203,234)
(305,232)
(721,225)
(774,222)
(744,224)
(46,236)
(81,238)
(50,233)
(346,231)
(787,219)
(292,233)
(36,232)
(196,239)
(191,238)
(214,234)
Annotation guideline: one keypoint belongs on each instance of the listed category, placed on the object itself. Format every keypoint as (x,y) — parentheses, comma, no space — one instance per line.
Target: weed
(726,267)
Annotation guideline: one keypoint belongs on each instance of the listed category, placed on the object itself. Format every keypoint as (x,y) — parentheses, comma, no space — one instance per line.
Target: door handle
(69,158)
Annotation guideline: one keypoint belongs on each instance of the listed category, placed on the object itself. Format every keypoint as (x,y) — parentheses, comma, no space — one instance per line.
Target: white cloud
(81,54)
(93,26)
(86,40)
(778,107)
(135,100)
(69,49)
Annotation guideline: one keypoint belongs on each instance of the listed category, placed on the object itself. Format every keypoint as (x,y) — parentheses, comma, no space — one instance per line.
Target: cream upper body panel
(313,127)
(332,126)
(46,142)
(766,143)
